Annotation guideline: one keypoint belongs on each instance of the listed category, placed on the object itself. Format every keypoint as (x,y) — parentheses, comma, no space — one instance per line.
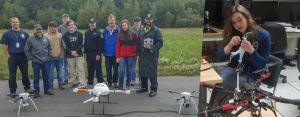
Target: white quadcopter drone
(23,101)
(186,100)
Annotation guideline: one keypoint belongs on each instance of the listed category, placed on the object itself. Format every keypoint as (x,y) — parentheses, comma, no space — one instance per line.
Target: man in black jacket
(93,47)
(74,44)
(150,42)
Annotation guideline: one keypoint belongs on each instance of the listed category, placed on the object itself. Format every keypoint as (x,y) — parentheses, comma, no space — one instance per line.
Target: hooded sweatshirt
(74,42)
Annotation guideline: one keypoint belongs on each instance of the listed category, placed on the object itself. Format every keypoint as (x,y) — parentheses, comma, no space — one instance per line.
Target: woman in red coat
(126,53)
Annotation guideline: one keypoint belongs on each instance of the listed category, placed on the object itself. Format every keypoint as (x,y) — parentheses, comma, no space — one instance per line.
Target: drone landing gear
(105,101)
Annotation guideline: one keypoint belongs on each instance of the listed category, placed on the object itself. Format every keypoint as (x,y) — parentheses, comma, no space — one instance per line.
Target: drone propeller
(182,93)
(174,92)
(92,99)
(268,65)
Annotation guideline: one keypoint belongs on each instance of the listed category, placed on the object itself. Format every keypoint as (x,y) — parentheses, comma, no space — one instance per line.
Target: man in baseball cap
(37,49)
(91,21)
(150,42)
(38,27)
(93,47)
(65,15)
(136,28)
(136,19)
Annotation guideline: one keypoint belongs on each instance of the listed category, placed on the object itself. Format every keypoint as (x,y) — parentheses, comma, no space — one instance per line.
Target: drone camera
(186,105)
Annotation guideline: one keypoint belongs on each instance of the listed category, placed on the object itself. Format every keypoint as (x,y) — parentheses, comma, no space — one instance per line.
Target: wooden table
(208,76)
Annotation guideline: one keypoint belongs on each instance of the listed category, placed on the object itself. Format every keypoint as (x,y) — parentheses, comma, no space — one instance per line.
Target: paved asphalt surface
(65,103)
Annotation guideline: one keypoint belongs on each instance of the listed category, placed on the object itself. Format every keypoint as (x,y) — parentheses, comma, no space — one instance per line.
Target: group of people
(63,48)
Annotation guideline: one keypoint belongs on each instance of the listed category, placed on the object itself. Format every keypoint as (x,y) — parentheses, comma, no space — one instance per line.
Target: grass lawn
(180,54)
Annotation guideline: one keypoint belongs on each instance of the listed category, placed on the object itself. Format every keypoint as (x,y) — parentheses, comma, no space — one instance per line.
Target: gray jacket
(137,30)
(38,49)
(62,28)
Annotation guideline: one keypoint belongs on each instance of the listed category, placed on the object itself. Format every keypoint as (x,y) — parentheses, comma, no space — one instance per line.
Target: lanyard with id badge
(18,43)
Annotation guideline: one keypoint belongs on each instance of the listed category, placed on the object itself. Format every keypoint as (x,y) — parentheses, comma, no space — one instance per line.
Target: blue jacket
(109,41)
(257,60)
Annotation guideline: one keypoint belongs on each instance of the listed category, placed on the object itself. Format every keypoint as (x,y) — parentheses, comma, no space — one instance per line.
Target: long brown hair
(125,34)
(229,31)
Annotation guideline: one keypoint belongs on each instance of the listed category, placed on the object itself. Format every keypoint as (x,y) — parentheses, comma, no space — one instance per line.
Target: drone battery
(80,90)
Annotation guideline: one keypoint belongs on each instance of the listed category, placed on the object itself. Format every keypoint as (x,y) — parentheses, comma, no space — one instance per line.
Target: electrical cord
(132,112)
(159,111)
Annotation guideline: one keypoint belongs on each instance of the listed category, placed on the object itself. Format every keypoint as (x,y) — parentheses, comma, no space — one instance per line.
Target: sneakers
(115,85)
(30,91)
(37,95)
(50,92)
(12,95)
(61,87)
(133,83)
(142,91)
(74,85)
(127,88)
(65,82)
(152,93)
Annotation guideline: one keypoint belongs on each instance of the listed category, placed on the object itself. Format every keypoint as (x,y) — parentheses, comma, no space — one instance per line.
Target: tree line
(166,13)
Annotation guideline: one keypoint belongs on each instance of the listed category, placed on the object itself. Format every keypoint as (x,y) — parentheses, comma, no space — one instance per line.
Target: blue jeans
(133,72)
(37,67)
(229,77)
(65,67)
(56,62)
(126,63)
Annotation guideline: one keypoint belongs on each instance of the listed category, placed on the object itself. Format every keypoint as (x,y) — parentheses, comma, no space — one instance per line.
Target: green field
(180,54)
